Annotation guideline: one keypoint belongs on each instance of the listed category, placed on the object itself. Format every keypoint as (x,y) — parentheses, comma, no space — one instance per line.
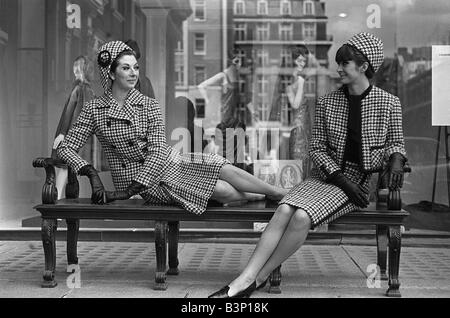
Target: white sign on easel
(440,93)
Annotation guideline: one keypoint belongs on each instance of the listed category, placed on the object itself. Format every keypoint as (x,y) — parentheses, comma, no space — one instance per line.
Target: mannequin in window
(228,80)
(80,94)
(299,139)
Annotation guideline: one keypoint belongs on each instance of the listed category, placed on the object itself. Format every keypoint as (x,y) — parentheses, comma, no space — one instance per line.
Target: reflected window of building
(309,31)
(308,7)
(286,58)
(262,57)
(200,108)
(239,7)
(179,75)
(242,55)
(285,7)
(263,32)
(262,7)
(262,85)
(200,74)
(286,31)
(200,10)
(285,111)
(240,31)
(264,111)
(200,43)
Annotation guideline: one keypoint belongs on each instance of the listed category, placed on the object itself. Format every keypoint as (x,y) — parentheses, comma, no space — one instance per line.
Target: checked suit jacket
(133,138)
(381,131)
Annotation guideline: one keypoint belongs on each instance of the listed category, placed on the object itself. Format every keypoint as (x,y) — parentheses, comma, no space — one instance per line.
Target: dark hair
(115,63)
(135,47)
(298,50)
(231,55)
(348,53)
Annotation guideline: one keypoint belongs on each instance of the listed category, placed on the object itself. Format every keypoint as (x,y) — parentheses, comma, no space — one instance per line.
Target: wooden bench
(386,214)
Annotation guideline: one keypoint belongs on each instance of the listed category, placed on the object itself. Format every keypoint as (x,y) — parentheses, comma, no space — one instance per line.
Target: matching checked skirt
(189,181)
(324,202)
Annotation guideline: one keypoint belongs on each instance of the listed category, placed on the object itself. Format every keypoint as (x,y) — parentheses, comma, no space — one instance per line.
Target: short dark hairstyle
(115,63)
(348,53)
(298,50)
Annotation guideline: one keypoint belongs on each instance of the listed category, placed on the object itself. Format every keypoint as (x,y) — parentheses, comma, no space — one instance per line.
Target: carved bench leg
(73,227)
(395,241)
(382,245)
(161,254)
(275,281)
(174,230)
(48,232)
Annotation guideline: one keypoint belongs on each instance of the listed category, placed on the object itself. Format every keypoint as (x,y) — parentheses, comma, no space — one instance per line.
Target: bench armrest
(49,190)
(387,196)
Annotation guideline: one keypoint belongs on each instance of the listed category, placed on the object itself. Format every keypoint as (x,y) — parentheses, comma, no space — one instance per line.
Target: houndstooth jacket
(381,131)
(133,138)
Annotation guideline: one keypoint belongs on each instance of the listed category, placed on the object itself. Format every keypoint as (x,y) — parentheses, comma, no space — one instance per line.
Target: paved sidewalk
(127,270)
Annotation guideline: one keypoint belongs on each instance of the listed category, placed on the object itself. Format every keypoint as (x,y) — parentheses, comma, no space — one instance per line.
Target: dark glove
(356,193)
(396,164)
(133,189)
(98,190)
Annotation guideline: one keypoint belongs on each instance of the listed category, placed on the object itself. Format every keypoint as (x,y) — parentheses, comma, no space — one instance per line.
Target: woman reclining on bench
(356,128)
(130,129)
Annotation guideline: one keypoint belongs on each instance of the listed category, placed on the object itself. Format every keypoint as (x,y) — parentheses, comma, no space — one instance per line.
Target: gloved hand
(98,190)
(396,164)
(133,189)
(356,193)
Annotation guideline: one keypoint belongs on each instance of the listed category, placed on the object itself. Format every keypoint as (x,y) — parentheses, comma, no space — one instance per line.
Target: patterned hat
(370,46)
(106,55)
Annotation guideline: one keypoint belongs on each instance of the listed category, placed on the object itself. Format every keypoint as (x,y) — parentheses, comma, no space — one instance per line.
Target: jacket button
(124,165)
(113,146)
(145,149)
(144,139)
(131,143)
(108,124)
(128,123)
(142,161)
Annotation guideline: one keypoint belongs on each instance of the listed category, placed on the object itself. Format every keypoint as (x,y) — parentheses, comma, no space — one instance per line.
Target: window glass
(229,58)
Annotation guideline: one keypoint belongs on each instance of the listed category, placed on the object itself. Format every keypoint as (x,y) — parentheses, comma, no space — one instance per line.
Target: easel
(447,159)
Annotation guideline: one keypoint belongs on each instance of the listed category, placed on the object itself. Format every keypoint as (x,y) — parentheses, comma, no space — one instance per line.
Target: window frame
(195,7)
(262,4)
(235,8)
(196,50)
(307,3)
(283,3)
(263,28)
(238,30)
(286,28)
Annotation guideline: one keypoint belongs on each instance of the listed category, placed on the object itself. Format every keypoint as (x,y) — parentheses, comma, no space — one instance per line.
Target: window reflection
(189,43)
